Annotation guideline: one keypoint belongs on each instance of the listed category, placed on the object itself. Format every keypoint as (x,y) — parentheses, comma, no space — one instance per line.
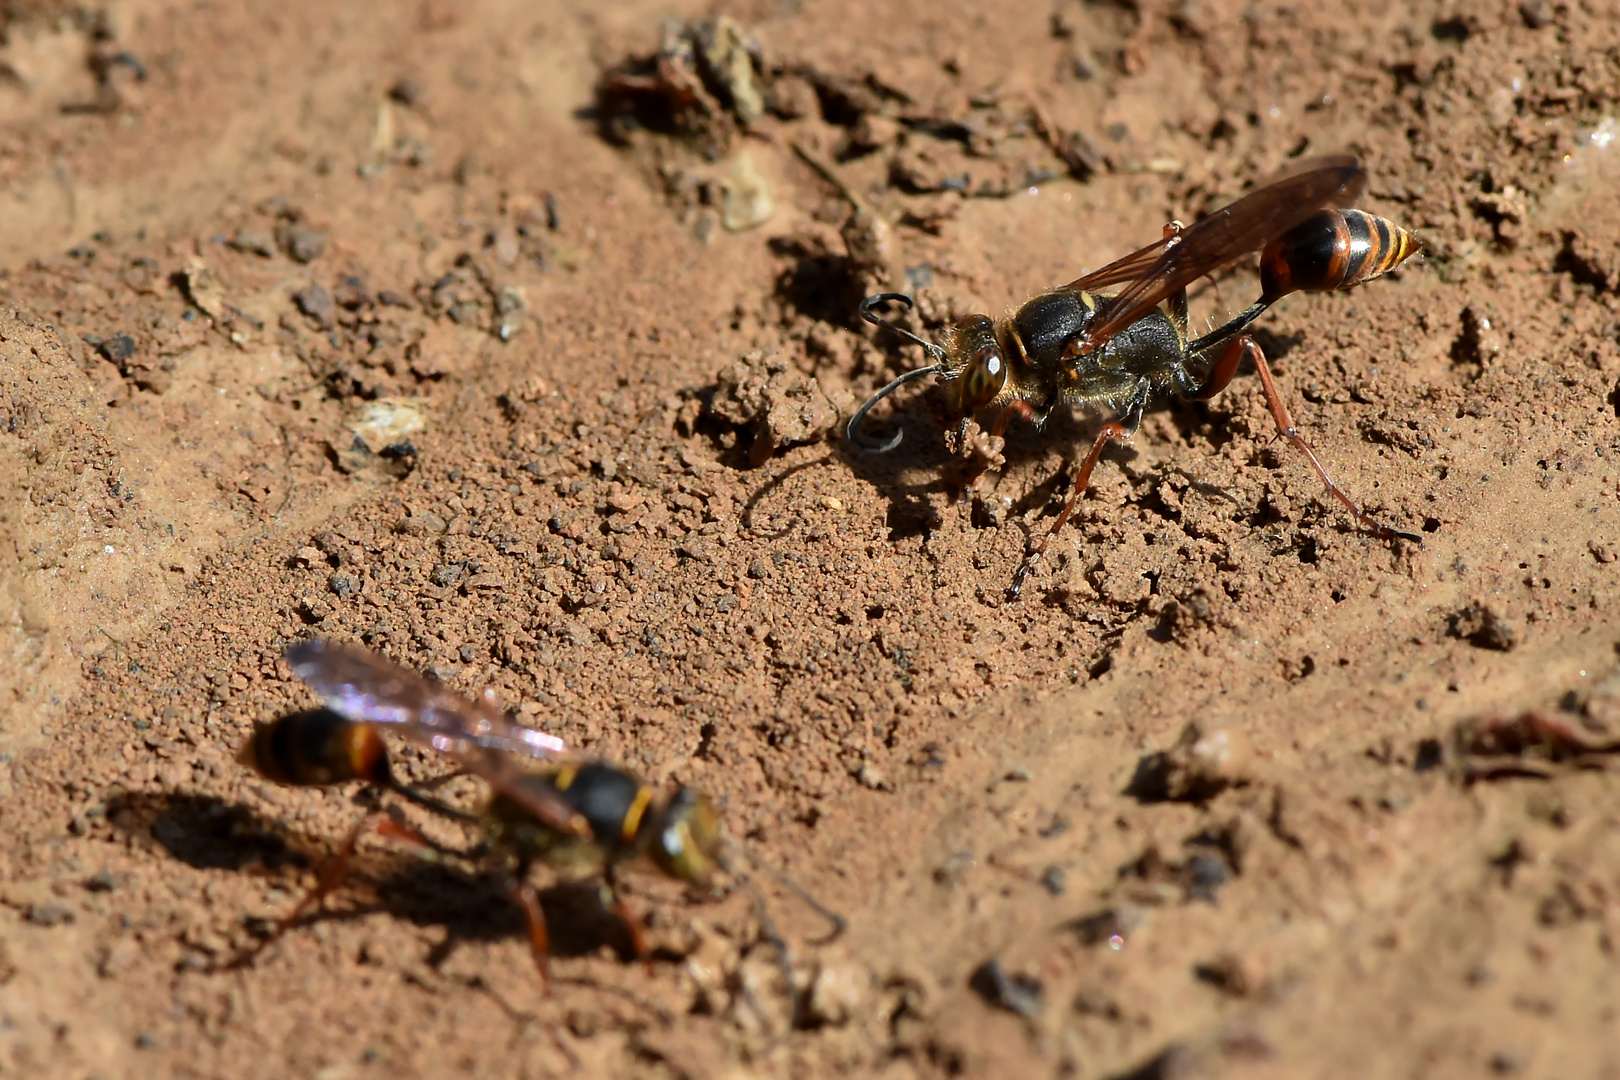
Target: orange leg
(1116,431)
(621,911)
(525,897)
(1022,410)
(638,934)
(332,873)
(1222,373)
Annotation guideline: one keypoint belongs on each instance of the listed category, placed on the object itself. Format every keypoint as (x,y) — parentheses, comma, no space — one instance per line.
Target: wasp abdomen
(315,748)
(1334,249)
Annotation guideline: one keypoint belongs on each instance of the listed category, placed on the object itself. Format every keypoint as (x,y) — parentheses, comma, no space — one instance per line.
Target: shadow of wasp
(572,814)
(1119,354)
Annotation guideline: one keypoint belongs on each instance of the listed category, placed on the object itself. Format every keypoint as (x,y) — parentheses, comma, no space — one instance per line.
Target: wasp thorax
(980,367)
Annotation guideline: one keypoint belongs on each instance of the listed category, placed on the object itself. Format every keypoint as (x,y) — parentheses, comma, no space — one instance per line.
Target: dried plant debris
(704,84)
(711,80)
(871,254)
(774,404)
(1532,744)
(745,199)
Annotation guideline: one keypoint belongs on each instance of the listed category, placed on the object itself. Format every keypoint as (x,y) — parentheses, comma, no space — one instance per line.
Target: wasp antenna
(835,920)
(784,958)
(871,316)
(850,432)
(767,925)
(869,313)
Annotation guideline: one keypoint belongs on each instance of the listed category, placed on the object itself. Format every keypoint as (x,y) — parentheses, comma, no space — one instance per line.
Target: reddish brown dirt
(590,525)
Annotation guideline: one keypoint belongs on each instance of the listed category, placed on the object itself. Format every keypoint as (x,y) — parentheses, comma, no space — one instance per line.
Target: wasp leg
(1221,374)
(524,896)
(332,873)
(621,911)
(1115,431)
(1021,410)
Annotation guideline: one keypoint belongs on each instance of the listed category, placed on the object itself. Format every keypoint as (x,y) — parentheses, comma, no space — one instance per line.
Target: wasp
(571,815)
(1072,346)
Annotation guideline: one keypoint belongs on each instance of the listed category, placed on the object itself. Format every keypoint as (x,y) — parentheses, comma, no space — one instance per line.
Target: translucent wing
(1131,268)
(369,688)
(1171,264)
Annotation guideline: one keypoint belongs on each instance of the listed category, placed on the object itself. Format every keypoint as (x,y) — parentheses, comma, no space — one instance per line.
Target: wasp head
(688,838)
(975,369)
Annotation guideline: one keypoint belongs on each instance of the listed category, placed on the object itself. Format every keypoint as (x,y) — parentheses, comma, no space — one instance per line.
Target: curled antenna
(767,925)
(938,354)
(871,316)
(860,413)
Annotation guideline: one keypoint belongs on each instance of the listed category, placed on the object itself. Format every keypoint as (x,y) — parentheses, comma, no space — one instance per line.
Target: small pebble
(50,914)
(303,244)
(1017,993)
(407,91)
(316,302)
(253,242)
(118,348)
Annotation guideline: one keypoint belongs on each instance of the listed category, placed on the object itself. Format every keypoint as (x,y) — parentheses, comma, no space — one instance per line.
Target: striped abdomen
(315,748)
(1335,249)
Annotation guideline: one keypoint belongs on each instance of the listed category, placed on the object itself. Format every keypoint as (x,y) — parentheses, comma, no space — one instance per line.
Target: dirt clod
(775,404)
(1482,625)
(1206,759)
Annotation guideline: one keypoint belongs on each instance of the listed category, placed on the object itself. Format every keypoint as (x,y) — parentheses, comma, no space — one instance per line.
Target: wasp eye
(985,378)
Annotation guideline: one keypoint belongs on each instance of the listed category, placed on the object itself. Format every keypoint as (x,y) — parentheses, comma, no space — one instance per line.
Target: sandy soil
(592,335)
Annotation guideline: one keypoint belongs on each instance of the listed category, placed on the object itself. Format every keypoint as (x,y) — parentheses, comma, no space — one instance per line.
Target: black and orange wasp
(1072,347)
(570,813)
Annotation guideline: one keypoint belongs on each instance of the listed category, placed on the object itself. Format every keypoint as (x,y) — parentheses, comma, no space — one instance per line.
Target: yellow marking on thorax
(633,816)
(1018,342)
(563,778)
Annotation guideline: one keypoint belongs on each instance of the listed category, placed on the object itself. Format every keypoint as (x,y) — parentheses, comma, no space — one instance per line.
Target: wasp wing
(523,787)
(1131,268)
(1161,269)
(369,688)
